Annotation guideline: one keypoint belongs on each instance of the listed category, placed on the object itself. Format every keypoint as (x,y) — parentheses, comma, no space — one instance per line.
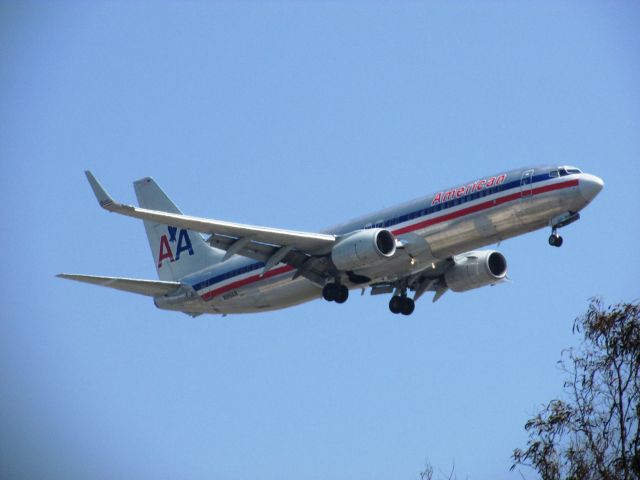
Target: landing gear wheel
(395,304)
(402,304)
(408,306)
(333,292)
(555,240)
(343,294)
(330,292)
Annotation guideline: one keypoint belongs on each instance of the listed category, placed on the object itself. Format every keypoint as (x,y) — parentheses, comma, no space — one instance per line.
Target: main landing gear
(335,292)
(399,303)
(402,304)
(555,240)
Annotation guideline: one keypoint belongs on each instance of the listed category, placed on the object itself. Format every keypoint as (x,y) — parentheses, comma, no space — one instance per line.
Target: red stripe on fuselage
(410,228)
(247,281)
(482,206)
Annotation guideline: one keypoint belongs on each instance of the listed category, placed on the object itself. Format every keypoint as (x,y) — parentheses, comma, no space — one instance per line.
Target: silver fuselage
(435,228)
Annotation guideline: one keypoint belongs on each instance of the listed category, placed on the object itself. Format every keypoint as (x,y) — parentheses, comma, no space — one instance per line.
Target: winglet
(101,194)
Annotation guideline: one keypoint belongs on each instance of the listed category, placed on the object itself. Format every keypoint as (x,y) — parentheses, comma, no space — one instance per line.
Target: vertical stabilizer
(176,252)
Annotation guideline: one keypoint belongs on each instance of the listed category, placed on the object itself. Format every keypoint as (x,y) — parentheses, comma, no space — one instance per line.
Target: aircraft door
(526,194)
(526,186)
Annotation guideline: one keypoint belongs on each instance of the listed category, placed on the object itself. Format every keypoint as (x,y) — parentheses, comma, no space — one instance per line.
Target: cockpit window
(554,173)
(568,171)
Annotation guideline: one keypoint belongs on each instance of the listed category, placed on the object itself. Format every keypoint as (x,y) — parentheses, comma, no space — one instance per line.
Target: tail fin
(176,252)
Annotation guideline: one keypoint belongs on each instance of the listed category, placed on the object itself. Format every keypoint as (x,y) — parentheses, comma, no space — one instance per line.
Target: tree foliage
(592,432)
(429,474)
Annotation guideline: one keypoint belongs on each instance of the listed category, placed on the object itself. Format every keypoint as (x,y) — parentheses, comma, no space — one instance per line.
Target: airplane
(430,244)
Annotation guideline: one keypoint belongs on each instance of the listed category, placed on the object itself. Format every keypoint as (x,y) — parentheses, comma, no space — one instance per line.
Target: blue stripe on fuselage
(390,223)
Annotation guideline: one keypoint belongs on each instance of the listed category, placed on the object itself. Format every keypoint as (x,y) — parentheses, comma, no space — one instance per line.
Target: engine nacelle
(476,269)
(364,249)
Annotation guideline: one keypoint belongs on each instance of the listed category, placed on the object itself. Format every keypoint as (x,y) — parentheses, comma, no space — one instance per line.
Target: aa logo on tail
(183,245)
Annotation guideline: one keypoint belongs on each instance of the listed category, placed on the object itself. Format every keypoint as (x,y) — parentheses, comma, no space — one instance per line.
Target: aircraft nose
(590,186)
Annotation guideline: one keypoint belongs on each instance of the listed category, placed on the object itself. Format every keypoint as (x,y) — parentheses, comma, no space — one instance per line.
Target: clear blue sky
(296,115)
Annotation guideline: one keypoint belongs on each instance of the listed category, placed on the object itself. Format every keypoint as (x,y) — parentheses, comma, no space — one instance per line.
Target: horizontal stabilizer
(150,288)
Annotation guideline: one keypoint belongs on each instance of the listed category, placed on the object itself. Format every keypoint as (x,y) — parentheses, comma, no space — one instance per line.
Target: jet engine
(363,249)
(476,269)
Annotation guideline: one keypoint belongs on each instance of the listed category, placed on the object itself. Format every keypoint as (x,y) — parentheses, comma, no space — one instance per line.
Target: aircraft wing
(150,288)
(242,235)
(314,268)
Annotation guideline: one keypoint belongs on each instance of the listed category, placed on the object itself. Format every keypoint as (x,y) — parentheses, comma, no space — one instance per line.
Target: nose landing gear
(559,221)
(555,240)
